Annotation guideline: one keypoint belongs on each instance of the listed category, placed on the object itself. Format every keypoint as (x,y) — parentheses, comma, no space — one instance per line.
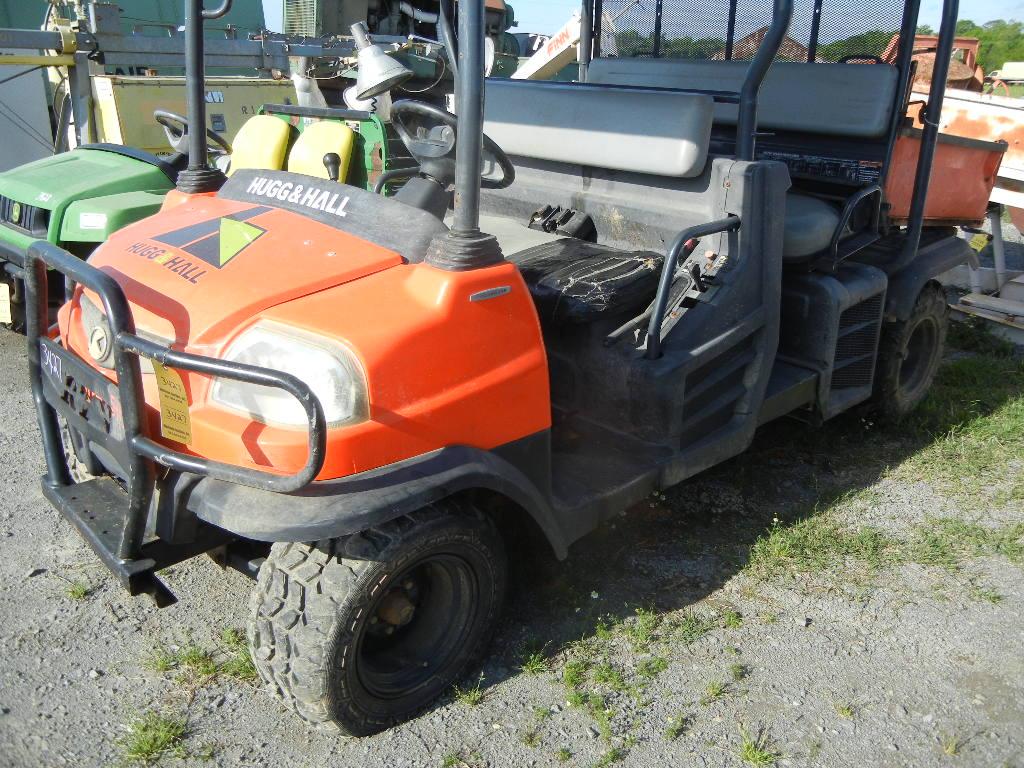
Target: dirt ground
(844,596)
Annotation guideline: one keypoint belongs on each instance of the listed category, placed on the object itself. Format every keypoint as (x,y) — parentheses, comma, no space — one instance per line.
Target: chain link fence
(821,30)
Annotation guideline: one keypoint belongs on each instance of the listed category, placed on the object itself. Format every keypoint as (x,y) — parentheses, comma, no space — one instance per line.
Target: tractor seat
(261,144)
(808,229)
(574,281)
(317,140)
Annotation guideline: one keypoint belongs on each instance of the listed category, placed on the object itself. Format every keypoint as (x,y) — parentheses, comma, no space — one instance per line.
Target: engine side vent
(301,17)
(858,338)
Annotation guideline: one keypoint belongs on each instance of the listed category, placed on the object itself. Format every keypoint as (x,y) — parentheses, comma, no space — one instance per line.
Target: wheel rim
(918,356)
(417,627)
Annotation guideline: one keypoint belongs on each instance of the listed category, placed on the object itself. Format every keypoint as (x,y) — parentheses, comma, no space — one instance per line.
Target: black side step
(97,508)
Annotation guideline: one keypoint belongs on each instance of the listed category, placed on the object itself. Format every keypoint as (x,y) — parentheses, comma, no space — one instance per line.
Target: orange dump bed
(963,174)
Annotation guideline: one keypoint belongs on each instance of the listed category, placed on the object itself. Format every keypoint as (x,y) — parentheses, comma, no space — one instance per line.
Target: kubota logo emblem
(214,242)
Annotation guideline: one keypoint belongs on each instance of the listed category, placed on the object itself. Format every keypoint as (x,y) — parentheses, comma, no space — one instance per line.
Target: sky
(548,16)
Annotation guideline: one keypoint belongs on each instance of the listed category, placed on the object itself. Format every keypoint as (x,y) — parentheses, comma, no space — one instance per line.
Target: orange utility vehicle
(353,396)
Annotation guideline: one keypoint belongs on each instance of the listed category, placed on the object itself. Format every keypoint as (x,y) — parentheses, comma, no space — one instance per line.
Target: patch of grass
(459,759)
(196,663)
(986,594)
(151,737)
(845,710)
(738,672)
(574,673)
(714,690)
(732,619)
(471,695)
(606,674)
(951,744)
(239,664)
(814,544)
(534,664)
(563,755)
(652,667)
(691,627)
(160,660)
(678,726)
(948,542)
(975,335)
(974,423)
(531,738)
(78,590)
(756,750)
(540,714)
(610,756)
(640,631)
(577,699)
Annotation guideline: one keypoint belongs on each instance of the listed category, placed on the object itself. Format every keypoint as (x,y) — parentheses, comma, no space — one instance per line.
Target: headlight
(329,369)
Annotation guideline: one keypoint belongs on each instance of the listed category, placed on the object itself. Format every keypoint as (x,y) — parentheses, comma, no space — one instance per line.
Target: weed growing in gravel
(606,674)
(563,755)
(239,664)
(574,673)
(713,692)
(151,737)
(540,714)
(459,759)
(641,629)
(651,667)
(987,594)
(845,710)
(756,750)
(678,726)
(951,744)
(531,738)
(470,696)
(738,672)
(691,627)
(534,664)
(947,542)
(160,660)
(610,756)
(78,590)
(732,620)
(197,664)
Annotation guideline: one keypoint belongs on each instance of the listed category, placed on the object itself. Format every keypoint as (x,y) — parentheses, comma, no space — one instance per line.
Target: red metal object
(963,175)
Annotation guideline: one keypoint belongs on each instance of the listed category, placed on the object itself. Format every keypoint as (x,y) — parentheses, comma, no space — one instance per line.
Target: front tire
(910,353)
(364,631)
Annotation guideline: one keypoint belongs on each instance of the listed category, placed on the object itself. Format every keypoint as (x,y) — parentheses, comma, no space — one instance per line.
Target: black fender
(931,261)
(333,508)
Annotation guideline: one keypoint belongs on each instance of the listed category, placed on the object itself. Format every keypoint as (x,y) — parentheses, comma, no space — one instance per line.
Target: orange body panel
(440,369)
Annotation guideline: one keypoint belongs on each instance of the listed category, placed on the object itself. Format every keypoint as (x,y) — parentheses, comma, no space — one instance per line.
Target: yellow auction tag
(175,423)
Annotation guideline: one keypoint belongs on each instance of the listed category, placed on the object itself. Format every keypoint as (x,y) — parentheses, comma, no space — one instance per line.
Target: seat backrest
(261,144)
(833,99)
(623,129)
(317,140)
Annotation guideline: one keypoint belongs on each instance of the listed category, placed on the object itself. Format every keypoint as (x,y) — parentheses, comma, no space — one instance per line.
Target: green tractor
(75,200)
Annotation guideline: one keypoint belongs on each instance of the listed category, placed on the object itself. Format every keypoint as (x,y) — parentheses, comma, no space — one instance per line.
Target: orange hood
(196,271)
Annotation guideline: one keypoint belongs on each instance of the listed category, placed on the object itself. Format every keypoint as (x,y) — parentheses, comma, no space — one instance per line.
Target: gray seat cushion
(810,224)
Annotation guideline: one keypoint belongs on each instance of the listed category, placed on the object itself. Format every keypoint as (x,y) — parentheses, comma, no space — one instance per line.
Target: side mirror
(332,162)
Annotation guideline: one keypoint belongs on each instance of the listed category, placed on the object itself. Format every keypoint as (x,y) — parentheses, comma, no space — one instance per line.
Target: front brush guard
(111,519)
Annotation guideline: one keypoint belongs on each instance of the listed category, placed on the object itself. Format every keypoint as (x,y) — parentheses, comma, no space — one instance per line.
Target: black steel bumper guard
(110,415)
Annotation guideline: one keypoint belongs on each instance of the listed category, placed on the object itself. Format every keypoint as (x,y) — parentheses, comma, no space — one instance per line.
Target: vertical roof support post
(746,125)
(930,134)
(586,39)
(199,176)
(465,246)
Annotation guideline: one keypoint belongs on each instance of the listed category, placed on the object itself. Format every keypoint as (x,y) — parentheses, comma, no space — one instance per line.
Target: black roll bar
(746,123)
(128,346)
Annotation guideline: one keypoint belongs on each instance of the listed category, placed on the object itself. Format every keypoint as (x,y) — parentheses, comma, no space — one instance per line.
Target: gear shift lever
(332,162)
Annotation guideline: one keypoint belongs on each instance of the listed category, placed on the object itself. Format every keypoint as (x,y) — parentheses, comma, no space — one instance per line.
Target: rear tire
(361,632)
(910,353)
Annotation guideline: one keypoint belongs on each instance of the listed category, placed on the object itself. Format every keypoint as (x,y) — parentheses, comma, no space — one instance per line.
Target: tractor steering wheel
(429,135)
(176,129)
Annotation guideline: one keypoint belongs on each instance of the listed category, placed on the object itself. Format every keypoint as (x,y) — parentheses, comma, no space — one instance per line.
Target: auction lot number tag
(175,423)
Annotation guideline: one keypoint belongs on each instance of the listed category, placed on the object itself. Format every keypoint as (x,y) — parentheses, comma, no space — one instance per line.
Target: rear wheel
(910,353)
(364,631)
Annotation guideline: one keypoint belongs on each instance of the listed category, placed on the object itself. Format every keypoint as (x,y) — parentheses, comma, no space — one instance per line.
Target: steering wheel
(429,135)
(176,129)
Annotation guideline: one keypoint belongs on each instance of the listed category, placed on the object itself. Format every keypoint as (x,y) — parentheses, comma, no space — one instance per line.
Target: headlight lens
(329,369)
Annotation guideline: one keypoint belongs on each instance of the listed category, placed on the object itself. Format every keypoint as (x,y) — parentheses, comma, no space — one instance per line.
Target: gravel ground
(839,667)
